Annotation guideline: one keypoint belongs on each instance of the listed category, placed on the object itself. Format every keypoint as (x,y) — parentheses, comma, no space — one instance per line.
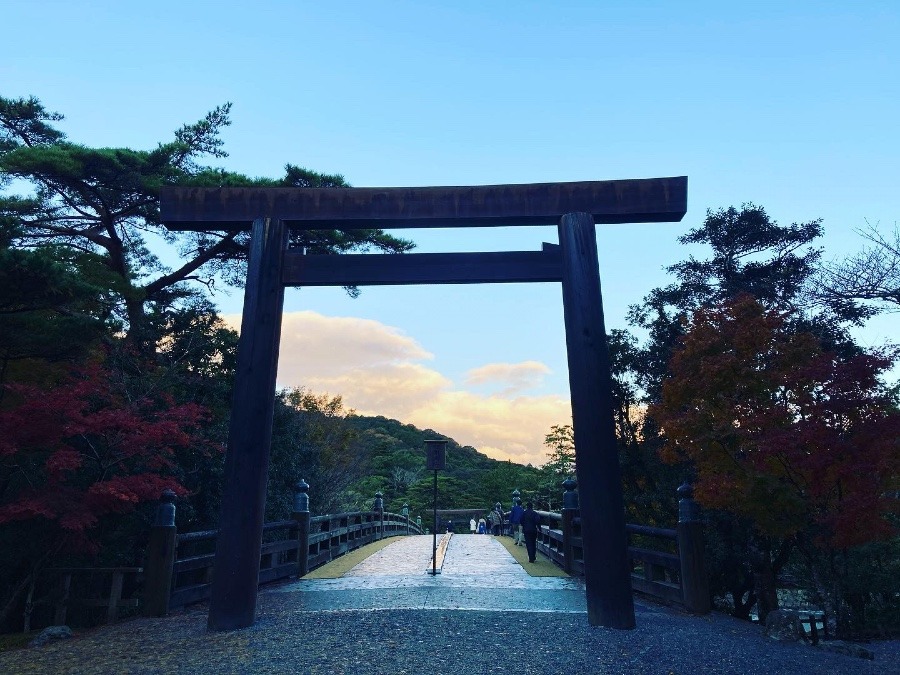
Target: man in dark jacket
(531,522)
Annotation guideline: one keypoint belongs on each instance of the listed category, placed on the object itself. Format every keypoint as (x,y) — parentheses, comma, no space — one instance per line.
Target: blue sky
(793,106)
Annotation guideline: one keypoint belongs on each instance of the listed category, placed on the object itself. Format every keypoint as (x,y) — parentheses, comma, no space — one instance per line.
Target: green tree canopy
(52,301)
(105,201)
(750,253)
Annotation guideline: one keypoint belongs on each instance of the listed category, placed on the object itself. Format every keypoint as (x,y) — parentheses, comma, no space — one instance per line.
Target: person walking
(496,521)
(530,521)
(472,526)
(515,523)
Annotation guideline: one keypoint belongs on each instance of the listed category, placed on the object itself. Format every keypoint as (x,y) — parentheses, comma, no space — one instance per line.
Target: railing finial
(301,497)
(165,511)
(688,509)
(570,497)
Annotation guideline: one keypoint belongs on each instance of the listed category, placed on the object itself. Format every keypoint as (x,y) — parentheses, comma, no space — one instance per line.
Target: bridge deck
(477,573)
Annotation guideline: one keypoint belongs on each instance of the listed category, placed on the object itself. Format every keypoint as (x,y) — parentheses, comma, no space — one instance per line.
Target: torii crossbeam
(573,207)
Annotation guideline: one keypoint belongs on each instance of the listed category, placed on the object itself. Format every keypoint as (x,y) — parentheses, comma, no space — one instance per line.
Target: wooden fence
(180,567)
(329,537)
(666,564)
(82,596)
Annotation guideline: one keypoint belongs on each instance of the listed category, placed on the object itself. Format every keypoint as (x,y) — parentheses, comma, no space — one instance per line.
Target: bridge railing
(666,564)
(180,567)
(655,566)
(559,538)
(332,536)
(81,596)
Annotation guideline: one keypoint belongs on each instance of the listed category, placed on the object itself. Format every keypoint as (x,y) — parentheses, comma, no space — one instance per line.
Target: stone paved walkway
(478,574)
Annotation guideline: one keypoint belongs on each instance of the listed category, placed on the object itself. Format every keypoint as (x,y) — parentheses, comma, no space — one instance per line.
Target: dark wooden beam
(232,602)
(421,268)
(613,201)
(607,571)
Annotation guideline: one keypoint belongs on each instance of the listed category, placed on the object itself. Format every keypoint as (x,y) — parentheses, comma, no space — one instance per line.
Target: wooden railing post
(694,579)
(59,615)
(160,558)
(115,596)
(301,516)
(569,511)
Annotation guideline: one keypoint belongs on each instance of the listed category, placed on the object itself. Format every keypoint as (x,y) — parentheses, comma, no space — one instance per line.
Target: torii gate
(575,207)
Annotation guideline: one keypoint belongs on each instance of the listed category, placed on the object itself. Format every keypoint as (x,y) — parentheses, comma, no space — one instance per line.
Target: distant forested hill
(394,453)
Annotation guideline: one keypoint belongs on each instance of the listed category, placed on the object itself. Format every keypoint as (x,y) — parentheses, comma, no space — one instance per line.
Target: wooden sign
(435,455)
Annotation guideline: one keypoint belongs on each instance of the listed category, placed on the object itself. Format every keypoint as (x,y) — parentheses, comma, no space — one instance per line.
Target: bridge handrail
(180,566)
(188,537)
(649,531)
(677,575)
(176,577)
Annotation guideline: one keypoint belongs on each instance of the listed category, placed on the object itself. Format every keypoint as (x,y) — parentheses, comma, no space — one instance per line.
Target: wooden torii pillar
(574,207)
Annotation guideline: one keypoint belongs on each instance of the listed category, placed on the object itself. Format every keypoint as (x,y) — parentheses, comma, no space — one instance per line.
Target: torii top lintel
(614,201)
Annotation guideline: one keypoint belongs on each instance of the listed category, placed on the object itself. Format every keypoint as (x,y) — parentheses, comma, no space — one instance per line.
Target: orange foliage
(781,431)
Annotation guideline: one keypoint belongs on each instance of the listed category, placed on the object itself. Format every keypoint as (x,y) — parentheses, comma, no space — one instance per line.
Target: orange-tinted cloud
(378,370)
(502,428)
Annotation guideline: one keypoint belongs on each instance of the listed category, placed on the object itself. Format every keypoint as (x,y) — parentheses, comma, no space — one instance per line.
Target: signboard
(435,455)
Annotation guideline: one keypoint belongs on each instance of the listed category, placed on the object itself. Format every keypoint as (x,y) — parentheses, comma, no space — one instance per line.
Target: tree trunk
(20,587)
(822,569)
(764,578)
(18,590)
(139,335)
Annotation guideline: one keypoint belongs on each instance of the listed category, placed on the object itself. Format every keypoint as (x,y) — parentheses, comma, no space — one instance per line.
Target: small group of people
(493,524)
(524,524)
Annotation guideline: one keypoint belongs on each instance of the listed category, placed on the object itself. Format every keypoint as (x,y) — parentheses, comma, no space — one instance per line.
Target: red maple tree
(83,449)
(780,431)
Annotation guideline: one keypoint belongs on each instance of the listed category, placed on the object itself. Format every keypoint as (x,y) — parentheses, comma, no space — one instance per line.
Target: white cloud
(392,390)
(379,371)
(514,377)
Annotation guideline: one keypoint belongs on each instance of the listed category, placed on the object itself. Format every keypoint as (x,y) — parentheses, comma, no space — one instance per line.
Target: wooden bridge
(666,564)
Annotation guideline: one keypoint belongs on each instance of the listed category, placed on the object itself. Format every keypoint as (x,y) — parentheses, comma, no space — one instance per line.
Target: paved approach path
(477,573)
(386,616)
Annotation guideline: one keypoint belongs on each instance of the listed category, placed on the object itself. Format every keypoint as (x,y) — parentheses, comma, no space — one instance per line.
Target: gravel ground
(288,640)
(483,614)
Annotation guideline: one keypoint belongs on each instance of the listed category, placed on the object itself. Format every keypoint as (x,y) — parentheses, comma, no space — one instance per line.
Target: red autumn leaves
(781,431)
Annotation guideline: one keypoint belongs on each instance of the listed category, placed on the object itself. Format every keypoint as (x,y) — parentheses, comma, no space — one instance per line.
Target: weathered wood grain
(607,570)
(233,598)
(612,201)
